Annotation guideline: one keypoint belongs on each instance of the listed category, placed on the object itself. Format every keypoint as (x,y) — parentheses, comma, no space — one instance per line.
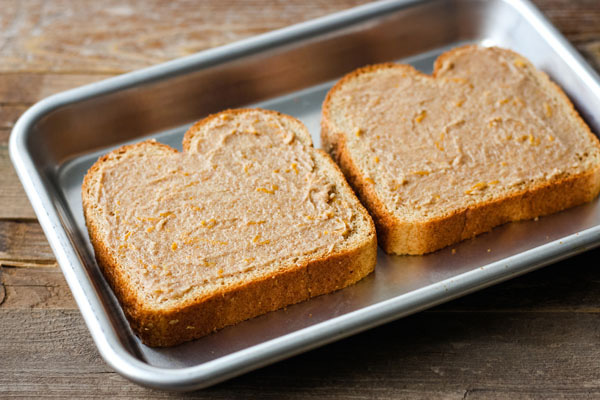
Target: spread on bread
(249,199)
(486,127)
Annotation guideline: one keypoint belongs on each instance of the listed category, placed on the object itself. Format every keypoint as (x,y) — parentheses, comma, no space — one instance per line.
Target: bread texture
(249,218)
(436,159)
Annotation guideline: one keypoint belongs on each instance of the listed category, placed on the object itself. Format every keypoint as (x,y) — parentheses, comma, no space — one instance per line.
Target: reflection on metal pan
(289,70)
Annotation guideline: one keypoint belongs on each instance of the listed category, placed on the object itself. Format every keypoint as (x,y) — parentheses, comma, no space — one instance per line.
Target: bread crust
(156,327)
(419,237)
(187,137)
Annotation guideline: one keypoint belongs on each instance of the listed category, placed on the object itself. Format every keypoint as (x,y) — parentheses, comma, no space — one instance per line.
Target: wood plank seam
(21,263)
(2,288)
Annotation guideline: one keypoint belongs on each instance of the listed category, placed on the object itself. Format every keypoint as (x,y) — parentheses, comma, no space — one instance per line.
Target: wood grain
(113,36)
(13,200)
(537,336)
(35,287)
(8,117)
(18,91)
(579,22)
(23,241)
(428,355)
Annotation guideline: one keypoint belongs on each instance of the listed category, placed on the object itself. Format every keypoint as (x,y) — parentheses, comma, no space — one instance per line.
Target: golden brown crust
(105,256)
(187,138)
(201,316)
(420,237)
(320,276)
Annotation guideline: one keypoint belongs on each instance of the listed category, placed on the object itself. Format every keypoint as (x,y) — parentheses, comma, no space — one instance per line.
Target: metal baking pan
(290,70)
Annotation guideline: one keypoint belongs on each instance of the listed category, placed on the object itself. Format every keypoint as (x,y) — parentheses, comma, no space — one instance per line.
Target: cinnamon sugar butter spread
(234,202)
(484,124)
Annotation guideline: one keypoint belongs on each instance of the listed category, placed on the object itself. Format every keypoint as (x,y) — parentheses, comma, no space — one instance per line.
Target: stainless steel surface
(290,70)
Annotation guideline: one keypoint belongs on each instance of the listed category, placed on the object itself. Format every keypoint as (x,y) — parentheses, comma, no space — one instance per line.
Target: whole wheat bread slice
(436,159)
(249,218)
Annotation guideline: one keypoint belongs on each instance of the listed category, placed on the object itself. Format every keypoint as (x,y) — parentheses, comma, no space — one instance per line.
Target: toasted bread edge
(161,328)
(416,238)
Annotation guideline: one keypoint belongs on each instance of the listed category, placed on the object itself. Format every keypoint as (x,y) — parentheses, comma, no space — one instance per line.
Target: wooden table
(536,336)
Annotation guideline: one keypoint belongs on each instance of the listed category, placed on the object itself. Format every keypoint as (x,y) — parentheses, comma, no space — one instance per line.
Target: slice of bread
(437,159)
(249,218)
